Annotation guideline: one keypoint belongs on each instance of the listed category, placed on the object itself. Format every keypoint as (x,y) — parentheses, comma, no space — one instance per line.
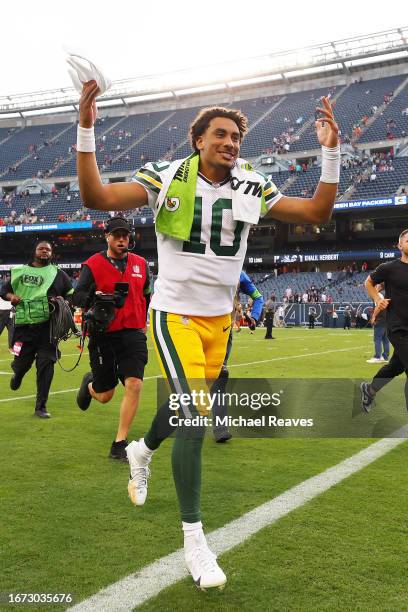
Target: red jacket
(132,315)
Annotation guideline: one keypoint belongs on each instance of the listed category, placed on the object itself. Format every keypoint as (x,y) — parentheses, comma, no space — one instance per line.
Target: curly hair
(202,121)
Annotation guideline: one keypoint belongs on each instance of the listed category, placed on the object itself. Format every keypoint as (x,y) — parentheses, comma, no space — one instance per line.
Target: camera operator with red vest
(114,289)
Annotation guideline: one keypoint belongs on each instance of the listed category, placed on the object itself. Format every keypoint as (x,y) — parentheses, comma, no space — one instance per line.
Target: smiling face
(219,147)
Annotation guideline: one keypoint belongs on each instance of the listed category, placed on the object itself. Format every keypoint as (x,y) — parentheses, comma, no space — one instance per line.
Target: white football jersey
(199,277)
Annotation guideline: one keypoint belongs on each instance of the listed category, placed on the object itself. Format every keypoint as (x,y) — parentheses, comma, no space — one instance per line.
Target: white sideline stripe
(22,397)
(237,365)
(137,588)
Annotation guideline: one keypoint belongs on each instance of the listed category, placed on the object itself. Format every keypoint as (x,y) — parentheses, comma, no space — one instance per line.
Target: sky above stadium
(131,39)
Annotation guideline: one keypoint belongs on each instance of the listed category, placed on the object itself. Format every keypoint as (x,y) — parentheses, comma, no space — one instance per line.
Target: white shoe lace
(140,477)
(206,559)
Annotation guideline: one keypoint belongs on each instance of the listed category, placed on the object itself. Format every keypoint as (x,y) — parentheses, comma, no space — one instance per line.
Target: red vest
(133,314)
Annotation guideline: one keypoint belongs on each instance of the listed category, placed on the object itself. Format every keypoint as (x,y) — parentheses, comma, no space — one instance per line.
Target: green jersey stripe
(150,186)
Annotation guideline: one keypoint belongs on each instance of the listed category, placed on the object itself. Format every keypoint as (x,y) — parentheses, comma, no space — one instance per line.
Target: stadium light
(113,102)
(202,89)
(149,97)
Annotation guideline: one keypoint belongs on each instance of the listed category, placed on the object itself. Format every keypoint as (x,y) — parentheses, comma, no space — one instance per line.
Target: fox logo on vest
(30,279)
(172,204)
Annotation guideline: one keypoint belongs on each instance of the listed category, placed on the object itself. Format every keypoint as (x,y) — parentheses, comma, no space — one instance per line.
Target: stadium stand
(280,125)
(354,103)
(344,286)
(392,122)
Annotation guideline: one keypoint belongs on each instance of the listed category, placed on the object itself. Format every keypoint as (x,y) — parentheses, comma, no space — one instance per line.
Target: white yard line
(148,582)
(302,356)
(234,365)
(23,397)
(10,359)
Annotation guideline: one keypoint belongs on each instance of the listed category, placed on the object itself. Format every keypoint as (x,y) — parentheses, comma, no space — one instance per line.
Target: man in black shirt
(394,275)
(31,289)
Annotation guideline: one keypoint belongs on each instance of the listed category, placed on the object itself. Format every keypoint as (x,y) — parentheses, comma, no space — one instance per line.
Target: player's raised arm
(317,209)
(94,194)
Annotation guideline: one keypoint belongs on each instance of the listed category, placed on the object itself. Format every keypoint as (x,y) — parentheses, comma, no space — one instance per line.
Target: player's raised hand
(87,104)
(326,127)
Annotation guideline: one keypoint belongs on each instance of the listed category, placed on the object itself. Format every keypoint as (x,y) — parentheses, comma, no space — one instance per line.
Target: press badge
(17,348)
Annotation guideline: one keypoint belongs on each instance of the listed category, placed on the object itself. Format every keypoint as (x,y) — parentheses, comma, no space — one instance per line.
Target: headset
(132,233)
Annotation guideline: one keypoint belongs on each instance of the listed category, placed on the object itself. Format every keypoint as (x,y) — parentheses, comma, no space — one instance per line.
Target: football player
(204,206)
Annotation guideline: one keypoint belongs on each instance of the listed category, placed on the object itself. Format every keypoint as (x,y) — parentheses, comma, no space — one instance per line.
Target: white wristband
(86,140)
(330,164)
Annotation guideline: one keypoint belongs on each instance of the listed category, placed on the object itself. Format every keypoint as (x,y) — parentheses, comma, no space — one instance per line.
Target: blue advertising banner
(400,200)
(46,227)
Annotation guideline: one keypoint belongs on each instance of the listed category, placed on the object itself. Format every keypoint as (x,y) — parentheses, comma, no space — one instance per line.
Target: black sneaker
(222,435)
(367,397)
(42,414)
(15,382)
(83,396)
(118,450)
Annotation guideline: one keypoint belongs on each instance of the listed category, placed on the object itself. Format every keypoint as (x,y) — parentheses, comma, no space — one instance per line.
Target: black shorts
(116,356)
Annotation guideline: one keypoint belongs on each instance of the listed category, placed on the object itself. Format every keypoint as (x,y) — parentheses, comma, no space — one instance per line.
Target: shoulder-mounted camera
(102,312)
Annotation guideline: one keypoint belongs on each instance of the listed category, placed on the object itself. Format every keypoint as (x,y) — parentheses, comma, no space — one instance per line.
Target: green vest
(32,284)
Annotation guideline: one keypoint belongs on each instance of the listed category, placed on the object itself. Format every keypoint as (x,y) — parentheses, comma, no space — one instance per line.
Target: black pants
(397,364)
(311,322)
(268,325)
(6,321)
(35,345)
(347,323)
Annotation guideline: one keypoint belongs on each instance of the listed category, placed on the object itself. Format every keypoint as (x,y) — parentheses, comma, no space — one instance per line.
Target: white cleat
(139,473)
(202,565)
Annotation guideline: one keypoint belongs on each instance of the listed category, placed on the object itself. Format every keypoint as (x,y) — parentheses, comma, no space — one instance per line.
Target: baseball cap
(117,223)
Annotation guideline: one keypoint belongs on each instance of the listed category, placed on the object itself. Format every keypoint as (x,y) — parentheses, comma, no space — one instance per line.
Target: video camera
(102,313)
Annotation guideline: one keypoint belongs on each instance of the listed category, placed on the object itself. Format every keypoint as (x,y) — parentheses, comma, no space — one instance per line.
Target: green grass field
(68,526)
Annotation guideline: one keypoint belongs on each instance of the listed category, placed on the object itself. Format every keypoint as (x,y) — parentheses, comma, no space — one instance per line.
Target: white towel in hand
(83,70)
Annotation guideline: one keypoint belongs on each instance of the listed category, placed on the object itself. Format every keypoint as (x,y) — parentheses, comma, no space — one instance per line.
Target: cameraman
(31,289)
(116,326)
